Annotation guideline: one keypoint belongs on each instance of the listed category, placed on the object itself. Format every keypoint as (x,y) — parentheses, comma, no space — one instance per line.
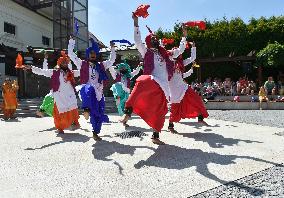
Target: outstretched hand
(135,19)
(27,67)
(111,44)
(184,30)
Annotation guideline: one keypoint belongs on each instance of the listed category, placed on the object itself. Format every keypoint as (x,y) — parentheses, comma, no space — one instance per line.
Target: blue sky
(111,19)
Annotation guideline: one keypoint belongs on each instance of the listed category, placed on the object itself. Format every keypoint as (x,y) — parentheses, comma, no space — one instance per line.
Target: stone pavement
(37,162)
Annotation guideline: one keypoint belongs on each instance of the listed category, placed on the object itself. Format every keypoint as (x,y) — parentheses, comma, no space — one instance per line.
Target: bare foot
(86,115)
(96,137)
(158,141)
(124,119)
(75,127)
(172,130)
(60,131)
(39,114)
(203,122)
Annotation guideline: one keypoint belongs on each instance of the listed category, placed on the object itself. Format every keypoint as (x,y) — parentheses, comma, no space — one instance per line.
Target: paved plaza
(245,157)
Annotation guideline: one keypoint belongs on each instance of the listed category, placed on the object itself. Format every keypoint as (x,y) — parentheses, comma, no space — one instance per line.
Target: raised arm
(137,37)
(45,64)
(42,72)
(178,51)
(108,63)
(135,71)
(112,72)
(187,74)
(191,58)
(76,60)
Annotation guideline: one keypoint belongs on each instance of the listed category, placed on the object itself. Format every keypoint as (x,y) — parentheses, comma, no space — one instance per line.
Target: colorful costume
(92,76)
(47,104)
(185,102)
(65,110)
(9,94)
(121,89)
(149,96)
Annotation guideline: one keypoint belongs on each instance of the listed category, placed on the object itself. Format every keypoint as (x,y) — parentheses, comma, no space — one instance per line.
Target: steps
(28,107)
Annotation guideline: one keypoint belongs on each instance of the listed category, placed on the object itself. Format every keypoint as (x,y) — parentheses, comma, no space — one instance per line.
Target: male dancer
(121,89)
(92,76)
(149,96)
(185,102)
(65,111)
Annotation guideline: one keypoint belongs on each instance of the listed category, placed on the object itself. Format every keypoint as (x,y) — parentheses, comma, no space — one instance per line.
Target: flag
(200,24)
(121,41)
(142,11)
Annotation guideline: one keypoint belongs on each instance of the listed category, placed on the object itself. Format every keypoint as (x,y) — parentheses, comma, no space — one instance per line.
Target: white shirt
(65,97)
(93,74)
(177,85)
(159,73)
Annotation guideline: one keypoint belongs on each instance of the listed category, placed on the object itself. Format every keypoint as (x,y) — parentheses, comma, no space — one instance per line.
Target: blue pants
(97,108)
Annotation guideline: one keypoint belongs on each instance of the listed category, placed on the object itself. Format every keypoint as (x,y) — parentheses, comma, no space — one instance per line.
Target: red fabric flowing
(142,11)
(167,41)
(191,106)
(200,24)
(149,102)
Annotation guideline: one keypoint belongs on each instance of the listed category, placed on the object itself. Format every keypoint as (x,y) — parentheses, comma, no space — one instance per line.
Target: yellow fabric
(262,94)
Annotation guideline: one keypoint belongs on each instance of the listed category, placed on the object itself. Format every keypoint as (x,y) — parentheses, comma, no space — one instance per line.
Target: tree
(272,56)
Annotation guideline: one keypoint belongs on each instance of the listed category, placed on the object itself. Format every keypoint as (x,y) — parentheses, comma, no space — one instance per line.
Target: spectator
(227,87)
(262,97)
(269,85)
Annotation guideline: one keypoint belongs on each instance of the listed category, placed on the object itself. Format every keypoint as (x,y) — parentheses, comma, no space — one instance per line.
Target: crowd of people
(243,87)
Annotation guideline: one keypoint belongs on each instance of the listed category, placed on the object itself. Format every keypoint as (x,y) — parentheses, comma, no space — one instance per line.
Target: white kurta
(177,85)
(65,97)
(93,74)
(159,73)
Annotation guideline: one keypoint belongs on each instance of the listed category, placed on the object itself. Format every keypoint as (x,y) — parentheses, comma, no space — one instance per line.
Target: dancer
(121,89)
(10,103)
(65,110)
(149,96)
(92,76)
(185,102)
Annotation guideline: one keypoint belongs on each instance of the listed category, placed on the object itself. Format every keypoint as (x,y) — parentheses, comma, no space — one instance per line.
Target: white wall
(30,27)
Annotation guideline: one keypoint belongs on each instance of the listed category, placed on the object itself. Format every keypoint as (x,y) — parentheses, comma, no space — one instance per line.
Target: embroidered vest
(149,64)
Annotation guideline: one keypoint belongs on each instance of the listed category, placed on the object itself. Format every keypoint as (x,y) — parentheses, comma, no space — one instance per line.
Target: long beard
(156,44)
(65,69)
(93,62)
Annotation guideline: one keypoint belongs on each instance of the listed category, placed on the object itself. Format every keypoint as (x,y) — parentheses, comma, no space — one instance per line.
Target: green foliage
(224,37)
(131,57)
(271,56)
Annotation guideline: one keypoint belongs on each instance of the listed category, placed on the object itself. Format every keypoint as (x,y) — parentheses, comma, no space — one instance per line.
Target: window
(9,28)
(45,40)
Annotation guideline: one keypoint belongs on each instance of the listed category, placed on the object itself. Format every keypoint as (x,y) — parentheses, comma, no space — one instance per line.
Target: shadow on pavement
(104,149)
(66,137)
(174,157)
(198,125)
(215,140)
